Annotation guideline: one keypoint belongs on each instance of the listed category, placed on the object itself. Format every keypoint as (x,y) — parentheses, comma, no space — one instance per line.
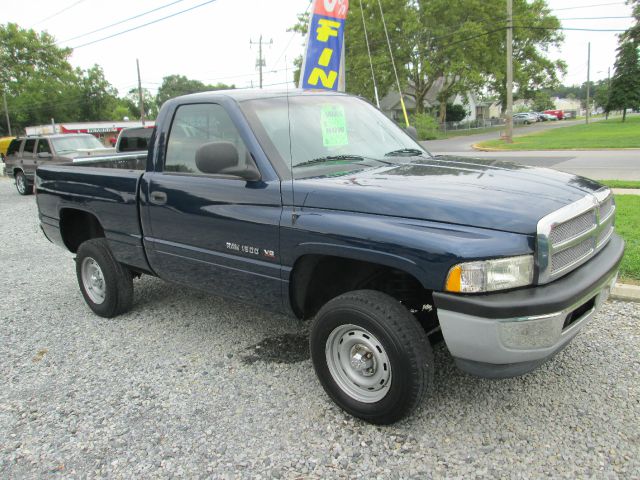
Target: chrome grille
(572,235)
(605,208)
(565,258)
(574,227)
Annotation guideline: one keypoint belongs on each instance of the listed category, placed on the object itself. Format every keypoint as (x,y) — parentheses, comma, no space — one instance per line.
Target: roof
(245,94)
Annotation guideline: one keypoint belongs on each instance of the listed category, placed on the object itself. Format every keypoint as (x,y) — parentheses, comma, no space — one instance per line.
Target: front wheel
(371,356)
(22,184)
(106,285)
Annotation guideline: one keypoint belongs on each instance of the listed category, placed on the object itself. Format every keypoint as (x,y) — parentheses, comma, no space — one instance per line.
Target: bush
(456,113)
(426,125)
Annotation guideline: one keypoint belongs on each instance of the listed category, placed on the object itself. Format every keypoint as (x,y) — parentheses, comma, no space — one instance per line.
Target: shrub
(426,125)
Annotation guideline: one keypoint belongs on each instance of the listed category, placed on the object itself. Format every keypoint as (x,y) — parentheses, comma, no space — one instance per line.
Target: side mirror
(412,132)
(44,155)
(222,158)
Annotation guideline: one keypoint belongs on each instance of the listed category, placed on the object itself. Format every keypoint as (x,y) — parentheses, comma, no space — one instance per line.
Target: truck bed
(103,187)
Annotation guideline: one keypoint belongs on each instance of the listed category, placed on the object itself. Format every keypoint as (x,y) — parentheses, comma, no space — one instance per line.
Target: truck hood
(465,191)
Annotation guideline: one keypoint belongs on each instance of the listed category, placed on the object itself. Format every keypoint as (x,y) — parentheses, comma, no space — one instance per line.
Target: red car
(556,113)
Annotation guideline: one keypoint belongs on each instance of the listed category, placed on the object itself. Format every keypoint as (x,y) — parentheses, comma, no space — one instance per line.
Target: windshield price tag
(334,126)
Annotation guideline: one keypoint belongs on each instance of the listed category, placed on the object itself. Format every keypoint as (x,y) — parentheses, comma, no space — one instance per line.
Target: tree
(176,85)
(132,102)
(448,47)
(625,84)
(36,76)
(542,101)
(97,98)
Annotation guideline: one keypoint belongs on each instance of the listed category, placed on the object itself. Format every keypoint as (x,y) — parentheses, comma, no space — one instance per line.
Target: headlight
(491,275)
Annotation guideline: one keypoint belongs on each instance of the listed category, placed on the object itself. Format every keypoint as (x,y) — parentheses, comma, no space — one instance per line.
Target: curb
(476,146)
(625,292)
(625,191)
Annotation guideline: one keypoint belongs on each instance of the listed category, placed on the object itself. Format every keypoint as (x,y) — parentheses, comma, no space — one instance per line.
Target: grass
(628,226)
(604,134)
(620,183)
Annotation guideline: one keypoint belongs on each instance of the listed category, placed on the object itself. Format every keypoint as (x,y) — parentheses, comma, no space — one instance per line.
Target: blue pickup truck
(317,205)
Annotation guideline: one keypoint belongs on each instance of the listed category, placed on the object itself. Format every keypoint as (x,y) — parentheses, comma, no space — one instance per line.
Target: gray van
(25,154)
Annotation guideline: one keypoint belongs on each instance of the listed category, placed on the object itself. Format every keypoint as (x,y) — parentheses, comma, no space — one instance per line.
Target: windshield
(73,143)
(330,134)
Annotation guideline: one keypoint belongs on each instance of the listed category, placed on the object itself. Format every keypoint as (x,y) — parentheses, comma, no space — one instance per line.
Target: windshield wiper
(408,152)
(329,158)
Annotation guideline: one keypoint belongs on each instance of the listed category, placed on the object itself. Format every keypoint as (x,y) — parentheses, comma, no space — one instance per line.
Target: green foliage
(625,84)
(176,85)
(455,113)
(542,101)
(426,125)
(452,47)
(38,80)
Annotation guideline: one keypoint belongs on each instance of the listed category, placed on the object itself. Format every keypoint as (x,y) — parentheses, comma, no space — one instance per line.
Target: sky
(211,42)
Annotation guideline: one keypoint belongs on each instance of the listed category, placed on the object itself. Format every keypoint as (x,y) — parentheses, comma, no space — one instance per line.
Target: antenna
(366,39)
(393,62)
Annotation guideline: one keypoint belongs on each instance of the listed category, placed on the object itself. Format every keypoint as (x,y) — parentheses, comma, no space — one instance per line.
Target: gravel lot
(178,388)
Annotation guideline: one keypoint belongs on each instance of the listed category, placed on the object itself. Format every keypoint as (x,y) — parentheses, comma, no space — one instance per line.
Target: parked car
(524,118)
(559,114)
(134,139)
(548,117)
(317,205)
(25,154)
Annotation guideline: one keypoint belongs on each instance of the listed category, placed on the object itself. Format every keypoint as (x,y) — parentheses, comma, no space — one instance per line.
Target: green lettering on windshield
(334,126)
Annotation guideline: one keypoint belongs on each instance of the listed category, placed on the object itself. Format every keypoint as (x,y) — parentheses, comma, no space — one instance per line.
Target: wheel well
(77,226)
(316,279)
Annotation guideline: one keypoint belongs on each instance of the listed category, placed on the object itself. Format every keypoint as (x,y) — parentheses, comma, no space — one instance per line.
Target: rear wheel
(106,285)
(22,184)
(371,356)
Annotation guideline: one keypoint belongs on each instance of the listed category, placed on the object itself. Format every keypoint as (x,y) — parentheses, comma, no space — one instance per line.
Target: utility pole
(6,111)
(509,120)
(588,82)
(140,93)
(606,113)
(260,62)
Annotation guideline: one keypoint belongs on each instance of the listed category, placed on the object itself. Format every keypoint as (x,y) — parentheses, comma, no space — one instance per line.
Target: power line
(588,6)
(293,34)
(120,22)
(145,24)
(595,18)
(58,13)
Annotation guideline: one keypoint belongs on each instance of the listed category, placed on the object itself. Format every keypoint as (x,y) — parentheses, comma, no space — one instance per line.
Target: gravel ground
(187,385)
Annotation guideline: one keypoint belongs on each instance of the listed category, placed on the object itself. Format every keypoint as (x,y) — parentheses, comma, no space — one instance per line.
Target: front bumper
(511,333)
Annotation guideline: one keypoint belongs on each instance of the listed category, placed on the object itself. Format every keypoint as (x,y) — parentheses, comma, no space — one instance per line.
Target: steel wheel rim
(93,280)
(21,183)
(358,363)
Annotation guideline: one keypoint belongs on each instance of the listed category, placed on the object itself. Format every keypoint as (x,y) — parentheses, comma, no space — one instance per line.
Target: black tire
(114,280)
(22,184)
(402,340)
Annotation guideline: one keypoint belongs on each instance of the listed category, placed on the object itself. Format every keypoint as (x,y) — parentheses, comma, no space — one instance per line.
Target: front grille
(570,236)
(574,227)
(568,257)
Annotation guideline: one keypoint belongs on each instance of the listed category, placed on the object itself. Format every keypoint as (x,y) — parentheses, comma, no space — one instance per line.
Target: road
(597,164)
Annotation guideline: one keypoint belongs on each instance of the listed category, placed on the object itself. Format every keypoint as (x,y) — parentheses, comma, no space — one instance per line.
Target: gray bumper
(515,336)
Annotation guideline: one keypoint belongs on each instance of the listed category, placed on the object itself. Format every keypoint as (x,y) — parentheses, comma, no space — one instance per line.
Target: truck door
(218,233)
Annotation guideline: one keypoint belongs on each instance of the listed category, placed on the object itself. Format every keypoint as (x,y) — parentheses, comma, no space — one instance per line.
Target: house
(391,107)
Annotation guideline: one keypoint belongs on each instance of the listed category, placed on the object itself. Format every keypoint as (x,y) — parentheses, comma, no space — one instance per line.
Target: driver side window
(43,146)
(193,126)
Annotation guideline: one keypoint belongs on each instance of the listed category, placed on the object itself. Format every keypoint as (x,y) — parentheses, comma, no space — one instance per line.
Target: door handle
(158,198)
